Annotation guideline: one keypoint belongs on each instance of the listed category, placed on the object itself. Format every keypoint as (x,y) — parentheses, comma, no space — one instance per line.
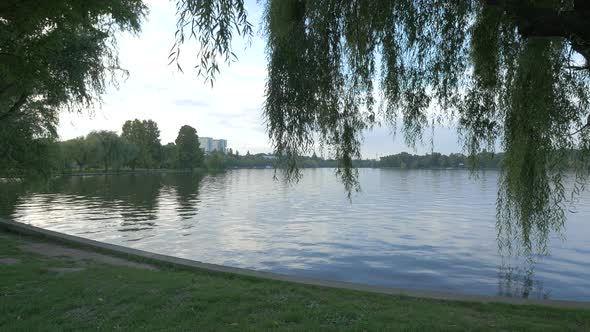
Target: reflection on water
(415,229)
(187,195)
(519,281)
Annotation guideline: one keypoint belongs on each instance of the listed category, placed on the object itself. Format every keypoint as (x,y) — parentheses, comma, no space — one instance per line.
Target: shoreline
(140,255)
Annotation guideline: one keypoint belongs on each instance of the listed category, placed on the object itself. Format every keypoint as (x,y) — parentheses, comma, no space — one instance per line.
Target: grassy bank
(93,295)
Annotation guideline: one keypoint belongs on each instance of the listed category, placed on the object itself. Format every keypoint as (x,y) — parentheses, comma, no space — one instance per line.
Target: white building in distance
(209,144)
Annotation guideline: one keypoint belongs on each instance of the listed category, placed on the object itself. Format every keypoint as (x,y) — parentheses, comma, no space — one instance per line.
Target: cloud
(190,103)
(218,115)
(227,123)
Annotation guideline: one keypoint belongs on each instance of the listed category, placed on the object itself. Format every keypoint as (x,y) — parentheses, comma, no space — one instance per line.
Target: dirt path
(58,251)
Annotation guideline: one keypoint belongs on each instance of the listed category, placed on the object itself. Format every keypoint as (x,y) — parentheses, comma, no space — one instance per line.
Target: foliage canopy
(145,135)
(55,55)
(190,154)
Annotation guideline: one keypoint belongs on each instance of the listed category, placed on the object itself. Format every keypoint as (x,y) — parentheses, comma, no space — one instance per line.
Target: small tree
(127,151)
(145,135)
(170,156)
(75,150)
(190,154)
(216,160)
(106,147)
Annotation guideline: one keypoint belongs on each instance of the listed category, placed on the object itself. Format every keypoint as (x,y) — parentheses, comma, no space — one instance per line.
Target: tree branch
(578,67)
(16,107)
(573,25)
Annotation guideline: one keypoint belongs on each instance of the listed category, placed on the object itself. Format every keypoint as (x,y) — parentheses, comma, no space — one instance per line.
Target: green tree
(55,55)
(26,141)
(145,135)
(75,150)
(106,148)
(133,132)
(190,154)
(152,142)
(216,160)
(127,152)
(170,156)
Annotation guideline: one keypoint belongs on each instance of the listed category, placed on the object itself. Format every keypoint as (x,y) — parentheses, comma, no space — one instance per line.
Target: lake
(416,229)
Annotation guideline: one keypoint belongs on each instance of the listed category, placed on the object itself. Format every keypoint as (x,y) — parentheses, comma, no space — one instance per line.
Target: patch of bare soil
(57,251)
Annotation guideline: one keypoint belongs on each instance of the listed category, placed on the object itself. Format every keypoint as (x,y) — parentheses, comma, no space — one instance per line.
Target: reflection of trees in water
(140,191)
(13,192)
(187,193)
(134,197)
(518,281)
(519,242)
(526,221)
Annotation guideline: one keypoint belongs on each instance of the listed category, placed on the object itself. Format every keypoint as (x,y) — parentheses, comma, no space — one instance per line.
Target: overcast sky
(232,109)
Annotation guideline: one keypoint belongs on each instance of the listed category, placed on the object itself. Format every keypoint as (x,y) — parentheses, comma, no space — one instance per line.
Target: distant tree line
(402,160)
(405,160)
(138,146)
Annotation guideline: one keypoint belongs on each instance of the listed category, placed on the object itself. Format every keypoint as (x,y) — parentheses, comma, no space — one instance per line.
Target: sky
(231,109)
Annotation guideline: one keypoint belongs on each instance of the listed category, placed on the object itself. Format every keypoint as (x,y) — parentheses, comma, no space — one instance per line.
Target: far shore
(203,170)
(215,171)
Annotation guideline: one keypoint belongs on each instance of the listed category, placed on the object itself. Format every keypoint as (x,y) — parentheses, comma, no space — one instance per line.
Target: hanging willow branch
(500,70)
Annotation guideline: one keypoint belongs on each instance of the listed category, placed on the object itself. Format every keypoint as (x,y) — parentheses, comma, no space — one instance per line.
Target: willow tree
(514,72)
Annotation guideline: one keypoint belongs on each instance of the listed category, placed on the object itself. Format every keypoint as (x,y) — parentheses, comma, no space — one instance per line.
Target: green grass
(115,298)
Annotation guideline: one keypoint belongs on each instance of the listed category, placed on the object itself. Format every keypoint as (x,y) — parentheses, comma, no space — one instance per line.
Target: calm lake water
(431,230)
